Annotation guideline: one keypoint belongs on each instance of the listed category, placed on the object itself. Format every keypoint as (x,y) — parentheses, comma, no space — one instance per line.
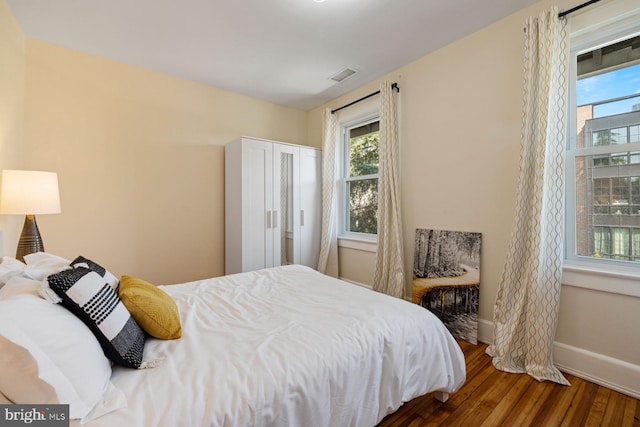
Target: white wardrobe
(272,204)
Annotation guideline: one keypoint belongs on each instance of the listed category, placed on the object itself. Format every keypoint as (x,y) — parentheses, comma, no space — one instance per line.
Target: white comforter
(287,347)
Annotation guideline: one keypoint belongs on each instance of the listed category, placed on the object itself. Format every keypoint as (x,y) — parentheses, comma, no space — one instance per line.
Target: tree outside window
(361,178)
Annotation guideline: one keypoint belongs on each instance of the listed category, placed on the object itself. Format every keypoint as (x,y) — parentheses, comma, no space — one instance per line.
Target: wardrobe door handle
(275,219)
(301,218)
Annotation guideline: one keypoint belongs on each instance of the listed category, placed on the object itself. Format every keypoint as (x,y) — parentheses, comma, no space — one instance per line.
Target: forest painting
(446,279)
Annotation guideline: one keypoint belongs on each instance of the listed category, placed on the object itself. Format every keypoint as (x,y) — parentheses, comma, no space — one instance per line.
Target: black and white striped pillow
(106,274)
(93,300)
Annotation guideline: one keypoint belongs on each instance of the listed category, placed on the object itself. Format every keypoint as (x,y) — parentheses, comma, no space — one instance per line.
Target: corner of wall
(12,80)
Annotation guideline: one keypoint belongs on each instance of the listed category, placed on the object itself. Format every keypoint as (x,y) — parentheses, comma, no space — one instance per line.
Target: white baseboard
(356,283)
(485,331)
(615,374)
(618,375)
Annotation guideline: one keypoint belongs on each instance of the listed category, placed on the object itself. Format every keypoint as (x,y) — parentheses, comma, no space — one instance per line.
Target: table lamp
(29,193)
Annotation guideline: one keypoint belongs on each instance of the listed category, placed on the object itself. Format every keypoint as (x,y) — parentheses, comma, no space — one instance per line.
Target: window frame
(355,240)
(602,26)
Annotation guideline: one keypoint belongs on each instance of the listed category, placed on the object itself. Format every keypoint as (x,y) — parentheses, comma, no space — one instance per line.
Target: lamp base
(30,240)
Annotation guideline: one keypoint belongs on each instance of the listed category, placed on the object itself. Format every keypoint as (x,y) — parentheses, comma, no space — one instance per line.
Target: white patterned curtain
(526,309)
(389,273)
(328,259)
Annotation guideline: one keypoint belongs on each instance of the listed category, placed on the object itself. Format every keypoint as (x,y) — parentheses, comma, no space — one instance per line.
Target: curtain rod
(574,9)
(393,86)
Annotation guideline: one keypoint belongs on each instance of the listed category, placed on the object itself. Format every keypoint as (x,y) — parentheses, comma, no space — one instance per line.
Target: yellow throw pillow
(154,310)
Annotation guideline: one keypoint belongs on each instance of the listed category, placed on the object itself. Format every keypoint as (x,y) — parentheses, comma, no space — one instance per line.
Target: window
(603,150)
(360,179)
(607,213)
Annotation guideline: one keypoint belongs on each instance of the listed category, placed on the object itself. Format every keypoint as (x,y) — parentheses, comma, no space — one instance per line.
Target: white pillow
(67,355)
(41,264)
(19,285)
(11,263)
(10,267)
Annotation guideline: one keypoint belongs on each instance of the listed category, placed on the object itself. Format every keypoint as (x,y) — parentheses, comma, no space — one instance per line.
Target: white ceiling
(282,51)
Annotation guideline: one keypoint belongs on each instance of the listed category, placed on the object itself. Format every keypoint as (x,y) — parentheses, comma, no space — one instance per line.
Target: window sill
(590,277)
(358,244)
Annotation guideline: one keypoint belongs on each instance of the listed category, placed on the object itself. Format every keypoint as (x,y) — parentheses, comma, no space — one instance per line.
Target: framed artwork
(446,278)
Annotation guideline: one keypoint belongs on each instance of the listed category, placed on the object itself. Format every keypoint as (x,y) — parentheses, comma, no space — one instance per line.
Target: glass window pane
(620,191)
(620,243)
(364,142)
(606,184)
(600,161)
(601,210)
(601,137)
(601,194)
(363,206)
(635,190)
(601,242)
(634,133)
(619,159)
(618,136)
(635,244)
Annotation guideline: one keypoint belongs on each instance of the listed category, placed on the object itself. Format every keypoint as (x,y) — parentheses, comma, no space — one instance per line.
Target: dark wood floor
(493,398)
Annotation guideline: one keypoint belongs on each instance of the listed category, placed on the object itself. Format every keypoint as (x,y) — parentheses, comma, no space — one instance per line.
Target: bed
(285,346)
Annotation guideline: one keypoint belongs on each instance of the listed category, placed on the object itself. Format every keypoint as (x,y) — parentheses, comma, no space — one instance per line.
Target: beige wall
(140,160)
(12,66)
(460,125)
(356,265)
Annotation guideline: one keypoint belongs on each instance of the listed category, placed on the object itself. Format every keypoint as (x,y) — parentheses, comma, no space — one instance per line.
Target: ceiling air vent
(344,74)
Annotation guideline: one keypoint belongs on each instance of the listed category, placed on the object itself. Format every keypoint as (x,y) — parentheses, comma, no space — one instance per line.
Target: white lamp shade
(29,193)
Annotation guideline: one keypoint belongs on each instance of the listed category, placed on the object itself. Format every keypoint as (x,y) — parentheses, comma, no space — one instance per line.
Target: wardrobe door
(310,216)
(286,204)
(257,205)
